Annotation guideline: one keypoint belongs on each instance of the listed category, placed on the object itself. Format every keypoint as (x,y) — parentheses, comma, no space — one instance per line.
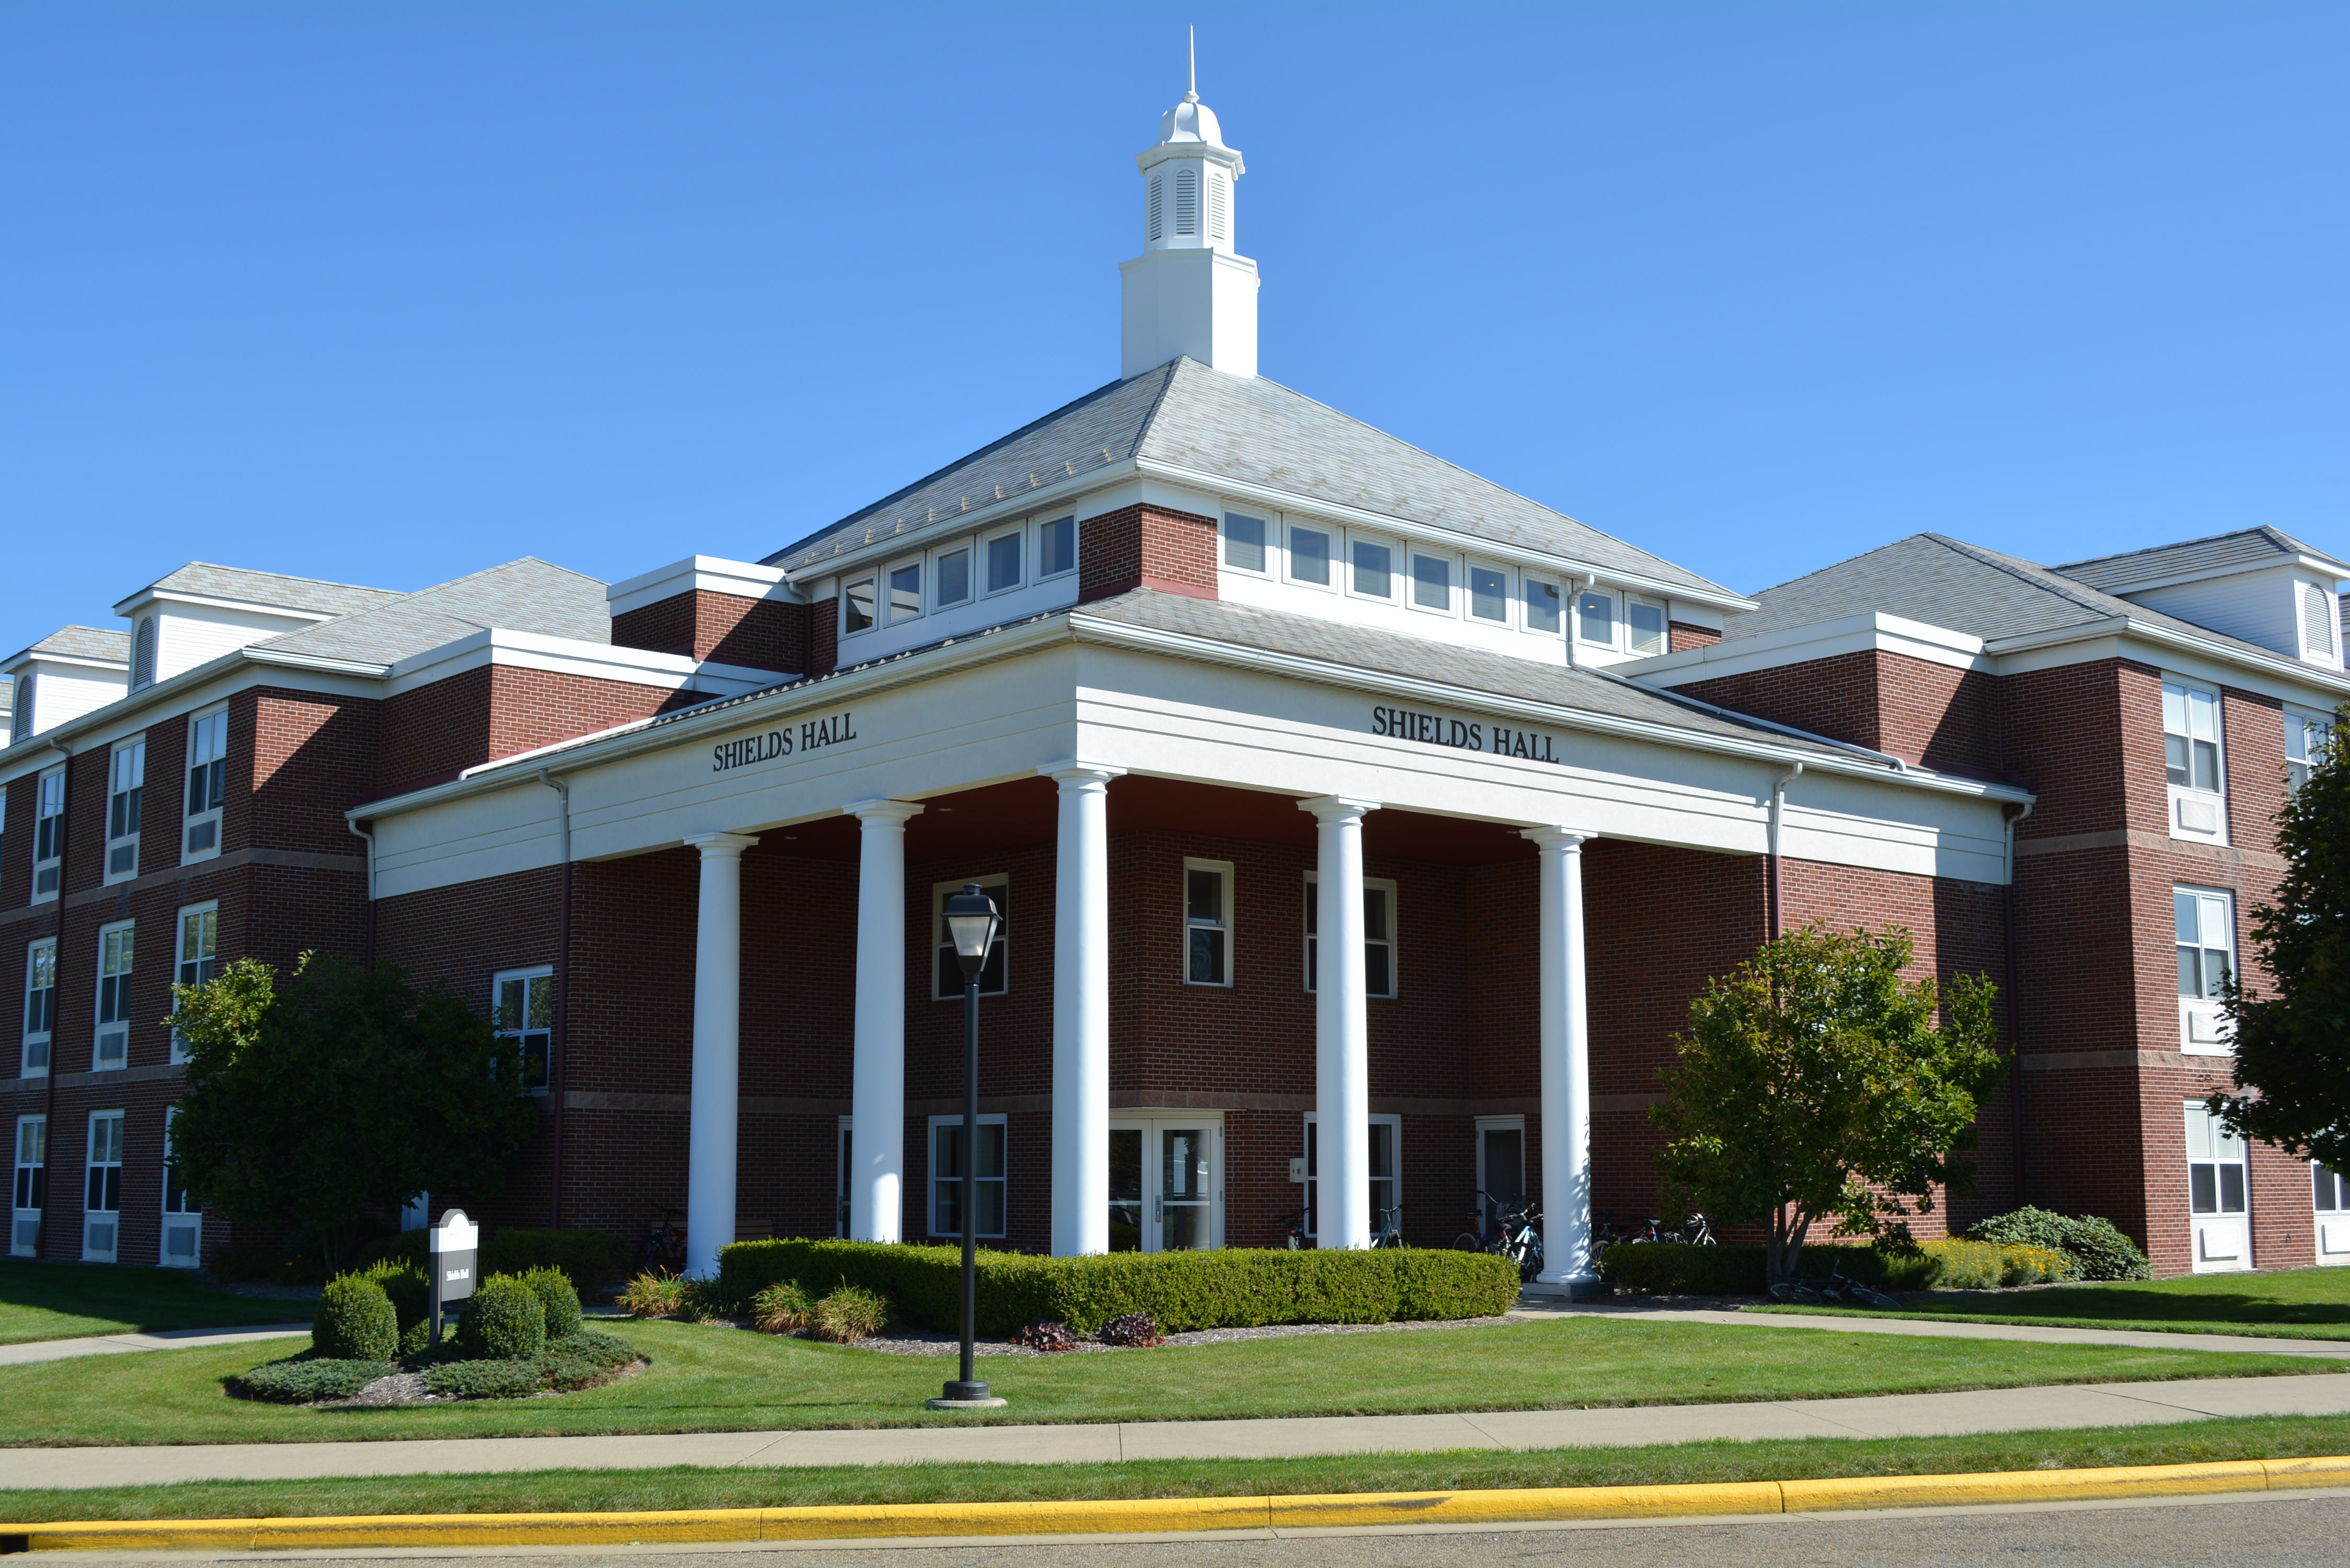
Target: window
(198,956)
(2320,616)
(114,964)
(126,788)
(905,592)
(2192,762)
(842,1175)
(101,1202)
(49,830)
(29,1189)
(40,1005)
(1500,1166)
(182,1216)
(1597,614)
(1004,562)
(1243,542)
(2305,738)
(2215,1163)
(207,784)
(1373,570)
(2206,933)
(1646,624)
(523,1000)
(1488,594)
(1385,1179)
(1432,582)
(142,654)
(1056,547)
(856,606)
(1543,603)
(2332,1194)
(946,1177)
(1207,922)
(1309,556)
(994,975)
(953,578)
(1378,934)
(21,711)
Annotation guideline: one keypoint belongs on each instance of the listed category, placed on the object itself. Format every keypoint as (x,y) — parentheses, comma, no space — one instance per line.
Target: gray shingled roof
(1242,428)
(1947,582)
(202,577)
(84,642)
(527,595)
(2246,547)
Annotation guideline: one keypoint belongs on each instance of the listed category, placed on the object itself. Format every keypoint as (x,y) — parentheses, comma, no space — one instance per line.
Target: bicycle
(1479,1238)
(1391,1234)
(1524,1244)
(1837,1288)
(1296,1236)
(663,1248)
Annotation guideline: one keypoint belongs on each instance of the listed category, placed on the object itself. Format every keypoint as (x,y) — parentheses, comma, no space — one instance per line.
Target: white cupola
(1189,292)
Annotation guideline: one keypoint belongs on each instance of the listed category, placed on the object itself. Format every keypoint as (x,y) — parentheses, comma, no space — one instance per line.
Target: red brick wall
(824,636)
(432,732)
(724,628)
(1681,636)
(1146,546)
(1925,713)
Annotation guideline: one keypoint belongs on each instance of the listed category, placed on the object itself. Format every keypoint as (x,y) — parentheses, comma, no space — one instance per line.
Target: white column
(877,1117)
(1081,1010)
(1342,1071)
(1567,1264)
(711,1162)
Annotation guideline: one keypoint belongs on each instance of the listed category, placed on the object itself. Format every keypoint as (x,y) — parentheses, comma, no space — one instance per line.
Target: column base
(1590,1288)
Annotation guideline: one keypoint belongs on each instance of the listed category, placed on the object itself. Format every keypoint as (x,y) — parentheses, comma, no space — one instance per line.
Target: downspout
(559,1057)
(2022,1170)
(1778,811)
(1574,586)
(369,835)
(58,938)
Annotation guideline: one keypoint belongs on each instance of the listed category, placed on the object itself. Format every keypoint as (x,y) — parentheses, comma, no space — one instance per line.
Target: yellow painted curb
(1170,1515)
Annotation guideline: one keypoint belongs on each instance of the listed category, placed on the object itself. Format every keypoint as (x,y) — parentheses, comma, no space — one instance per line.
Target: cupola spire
(1189,292)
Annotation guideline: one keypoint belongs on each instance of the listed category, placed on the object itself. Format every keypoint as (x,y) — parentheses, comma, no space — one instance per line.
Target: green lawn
(721,1379)
(563,1491)
(64,1301)
(2293,1304)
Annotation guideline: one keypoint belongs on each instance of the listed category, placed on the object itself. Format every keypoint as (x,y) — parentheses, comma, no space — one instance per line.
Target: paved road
(2278,1530)
(1882,1416)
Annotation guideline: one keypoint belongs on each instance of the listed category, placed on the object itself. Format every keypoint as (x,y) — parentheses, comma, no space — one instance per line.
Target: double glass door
(1166,1185)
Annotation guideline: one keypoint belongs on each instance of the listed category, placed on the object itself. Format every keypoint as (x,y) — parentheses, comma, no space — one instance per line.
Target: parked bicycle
(1836,1288)
(1487,1233)
(1515,1234)
(1390,1231)
(663,1248)
(1295,1237)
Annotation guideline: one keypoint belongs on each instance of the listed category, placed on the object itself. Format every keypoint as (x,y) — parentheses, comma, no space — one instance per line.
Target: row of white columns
(1080,1209)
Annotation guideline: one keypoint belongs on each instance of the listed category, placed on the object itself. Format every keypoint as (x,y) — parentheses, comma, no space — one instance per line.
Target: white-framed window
(1244,542)
(200,831)
(2205,921)
(951,576)
(2193,762)
(1378,934)
(905,591)
(126,791)
(1056,547)
(995,975)
(1488,594)
(1309,556)
(1500,1166)
(2321,624)
(183,1218)
(1545,606)
(1370,569)
(101,1201)
(143,653)
(1644,626)
(857,606)
(1387,1171)
(1432,582)
(1595,618)
(841,1176)
(2215,1164)
(198,957)
(1207,922)
(523,1011)
(115,956)
(28,1190)
(49,830)
(40,1006)
(1006,553)
(2332,1195)
(2305,738)
(946,1177)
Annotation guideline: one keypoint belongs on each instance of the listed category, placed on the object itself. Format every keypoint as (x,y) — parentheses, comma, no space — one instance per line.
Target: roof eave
(2130,626)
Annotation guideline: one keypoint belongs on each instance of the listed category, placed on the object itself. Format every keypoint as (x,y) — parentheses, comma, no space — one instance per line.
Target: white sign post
(451,1246)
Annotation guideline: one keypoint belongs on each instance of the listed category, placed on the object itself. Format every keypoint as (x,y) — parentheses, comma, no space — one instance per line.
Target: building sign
(450,1247)
(1435,729)
(812,736)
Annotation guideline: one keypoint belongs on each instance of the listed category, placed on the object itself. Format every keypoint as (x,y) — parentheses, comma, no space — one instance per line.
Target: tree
(2292,1046)
(1814,1084)
(341,1091)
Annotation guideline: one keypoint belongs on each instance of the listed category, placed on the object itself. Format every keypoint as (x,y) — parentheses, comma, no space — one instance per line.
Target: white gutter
(2163,636)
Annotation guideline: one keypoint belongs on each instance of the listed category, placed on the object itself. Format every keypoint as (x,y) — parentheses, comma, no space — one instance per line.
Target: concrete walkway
(161,1339)
(1904,1414)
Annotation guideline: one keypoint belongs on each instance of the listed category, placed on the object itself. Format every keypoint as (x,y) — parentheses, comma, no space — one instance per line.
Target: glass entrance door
(1185,1194)
(1166,1185)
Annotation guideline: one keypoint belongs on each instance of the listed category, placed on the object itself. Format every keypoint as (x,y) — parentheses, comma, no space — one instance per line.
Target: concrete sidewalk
(1906,1414)
(160,1339)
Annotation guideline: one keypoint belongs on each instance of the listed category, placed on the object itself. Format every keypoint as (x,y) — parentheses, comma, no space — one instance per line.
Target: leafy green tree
(1815,1085)
(2293,1044)
(335,1091)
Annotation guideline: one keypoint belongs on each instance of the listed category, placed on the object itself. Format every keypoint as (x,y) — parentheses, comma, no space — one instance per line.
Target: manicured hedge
(302,1379)
(1674,1267)
(1227,1288)
(588,1257)
(504,1320)
(355,1322)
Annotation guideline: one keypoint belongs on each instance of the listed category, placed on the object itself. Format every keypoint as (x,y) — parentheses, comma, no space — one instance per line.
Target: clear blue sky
(388,293)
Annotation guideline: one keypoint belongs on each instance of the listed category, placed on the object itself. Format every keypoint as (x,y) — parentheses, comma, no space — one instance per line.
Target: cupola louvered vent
(1154,218)
(1187,201)
(1219,210)
(2317,622)
(142,654)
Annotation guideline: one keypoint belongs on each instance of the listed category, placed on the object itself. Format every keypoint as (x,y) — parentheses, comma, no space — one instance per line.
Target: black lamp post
(972,921)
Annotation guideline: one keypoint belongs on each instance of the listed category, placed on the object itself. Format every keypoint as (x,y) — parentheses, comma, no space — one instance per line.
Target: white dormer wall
(50,691)
(188,631)
(2285,608)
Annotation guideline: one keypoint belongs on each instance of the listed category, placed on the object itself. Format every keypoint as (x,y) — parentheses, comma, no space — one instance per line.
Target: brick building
(1316,777)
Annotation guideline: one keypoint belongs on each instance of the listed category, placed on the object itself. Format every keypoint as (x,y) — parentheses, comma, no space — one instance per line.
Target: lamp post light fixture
(972,922)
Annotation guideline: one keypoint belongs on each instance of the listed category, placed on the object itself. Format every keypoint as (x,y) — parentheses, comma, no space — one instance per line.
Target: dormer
(712,610)
(2260,585)
(67,673)
(202,611)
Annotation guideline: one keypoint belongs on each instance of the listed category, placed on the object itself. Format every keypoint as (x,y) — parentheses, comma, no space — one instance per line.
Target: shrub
(850,1313)
(1044,1334)
(569,1375)
(588,1258)
(1675,1267)
(652,1295)
(415,1339)
(781,1308)
(1963,1265)
(355,1322)
(485,1379)
(2098,1251)
(1132,1329)
(304,1379)
(502,1322)
(604,1350)
(706,1301)
(409,1287)
(553,1288)
(1229,1288)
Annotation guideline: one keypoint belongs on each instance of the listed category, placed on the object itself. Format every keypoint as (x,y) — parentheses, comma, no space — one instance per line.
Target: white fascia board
(32,659)
(2125,637)
(1430,533)
(570,656)
(1872,632)
(301,618)
(1061,495)
(701,574)
(2325,566)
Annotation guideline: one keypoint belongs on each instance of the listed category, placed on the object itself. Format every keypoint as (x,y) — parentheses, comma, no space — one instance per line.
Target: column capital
(883,812)
(715,843)
(1071,774)
(1337,807)
(1557,838)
